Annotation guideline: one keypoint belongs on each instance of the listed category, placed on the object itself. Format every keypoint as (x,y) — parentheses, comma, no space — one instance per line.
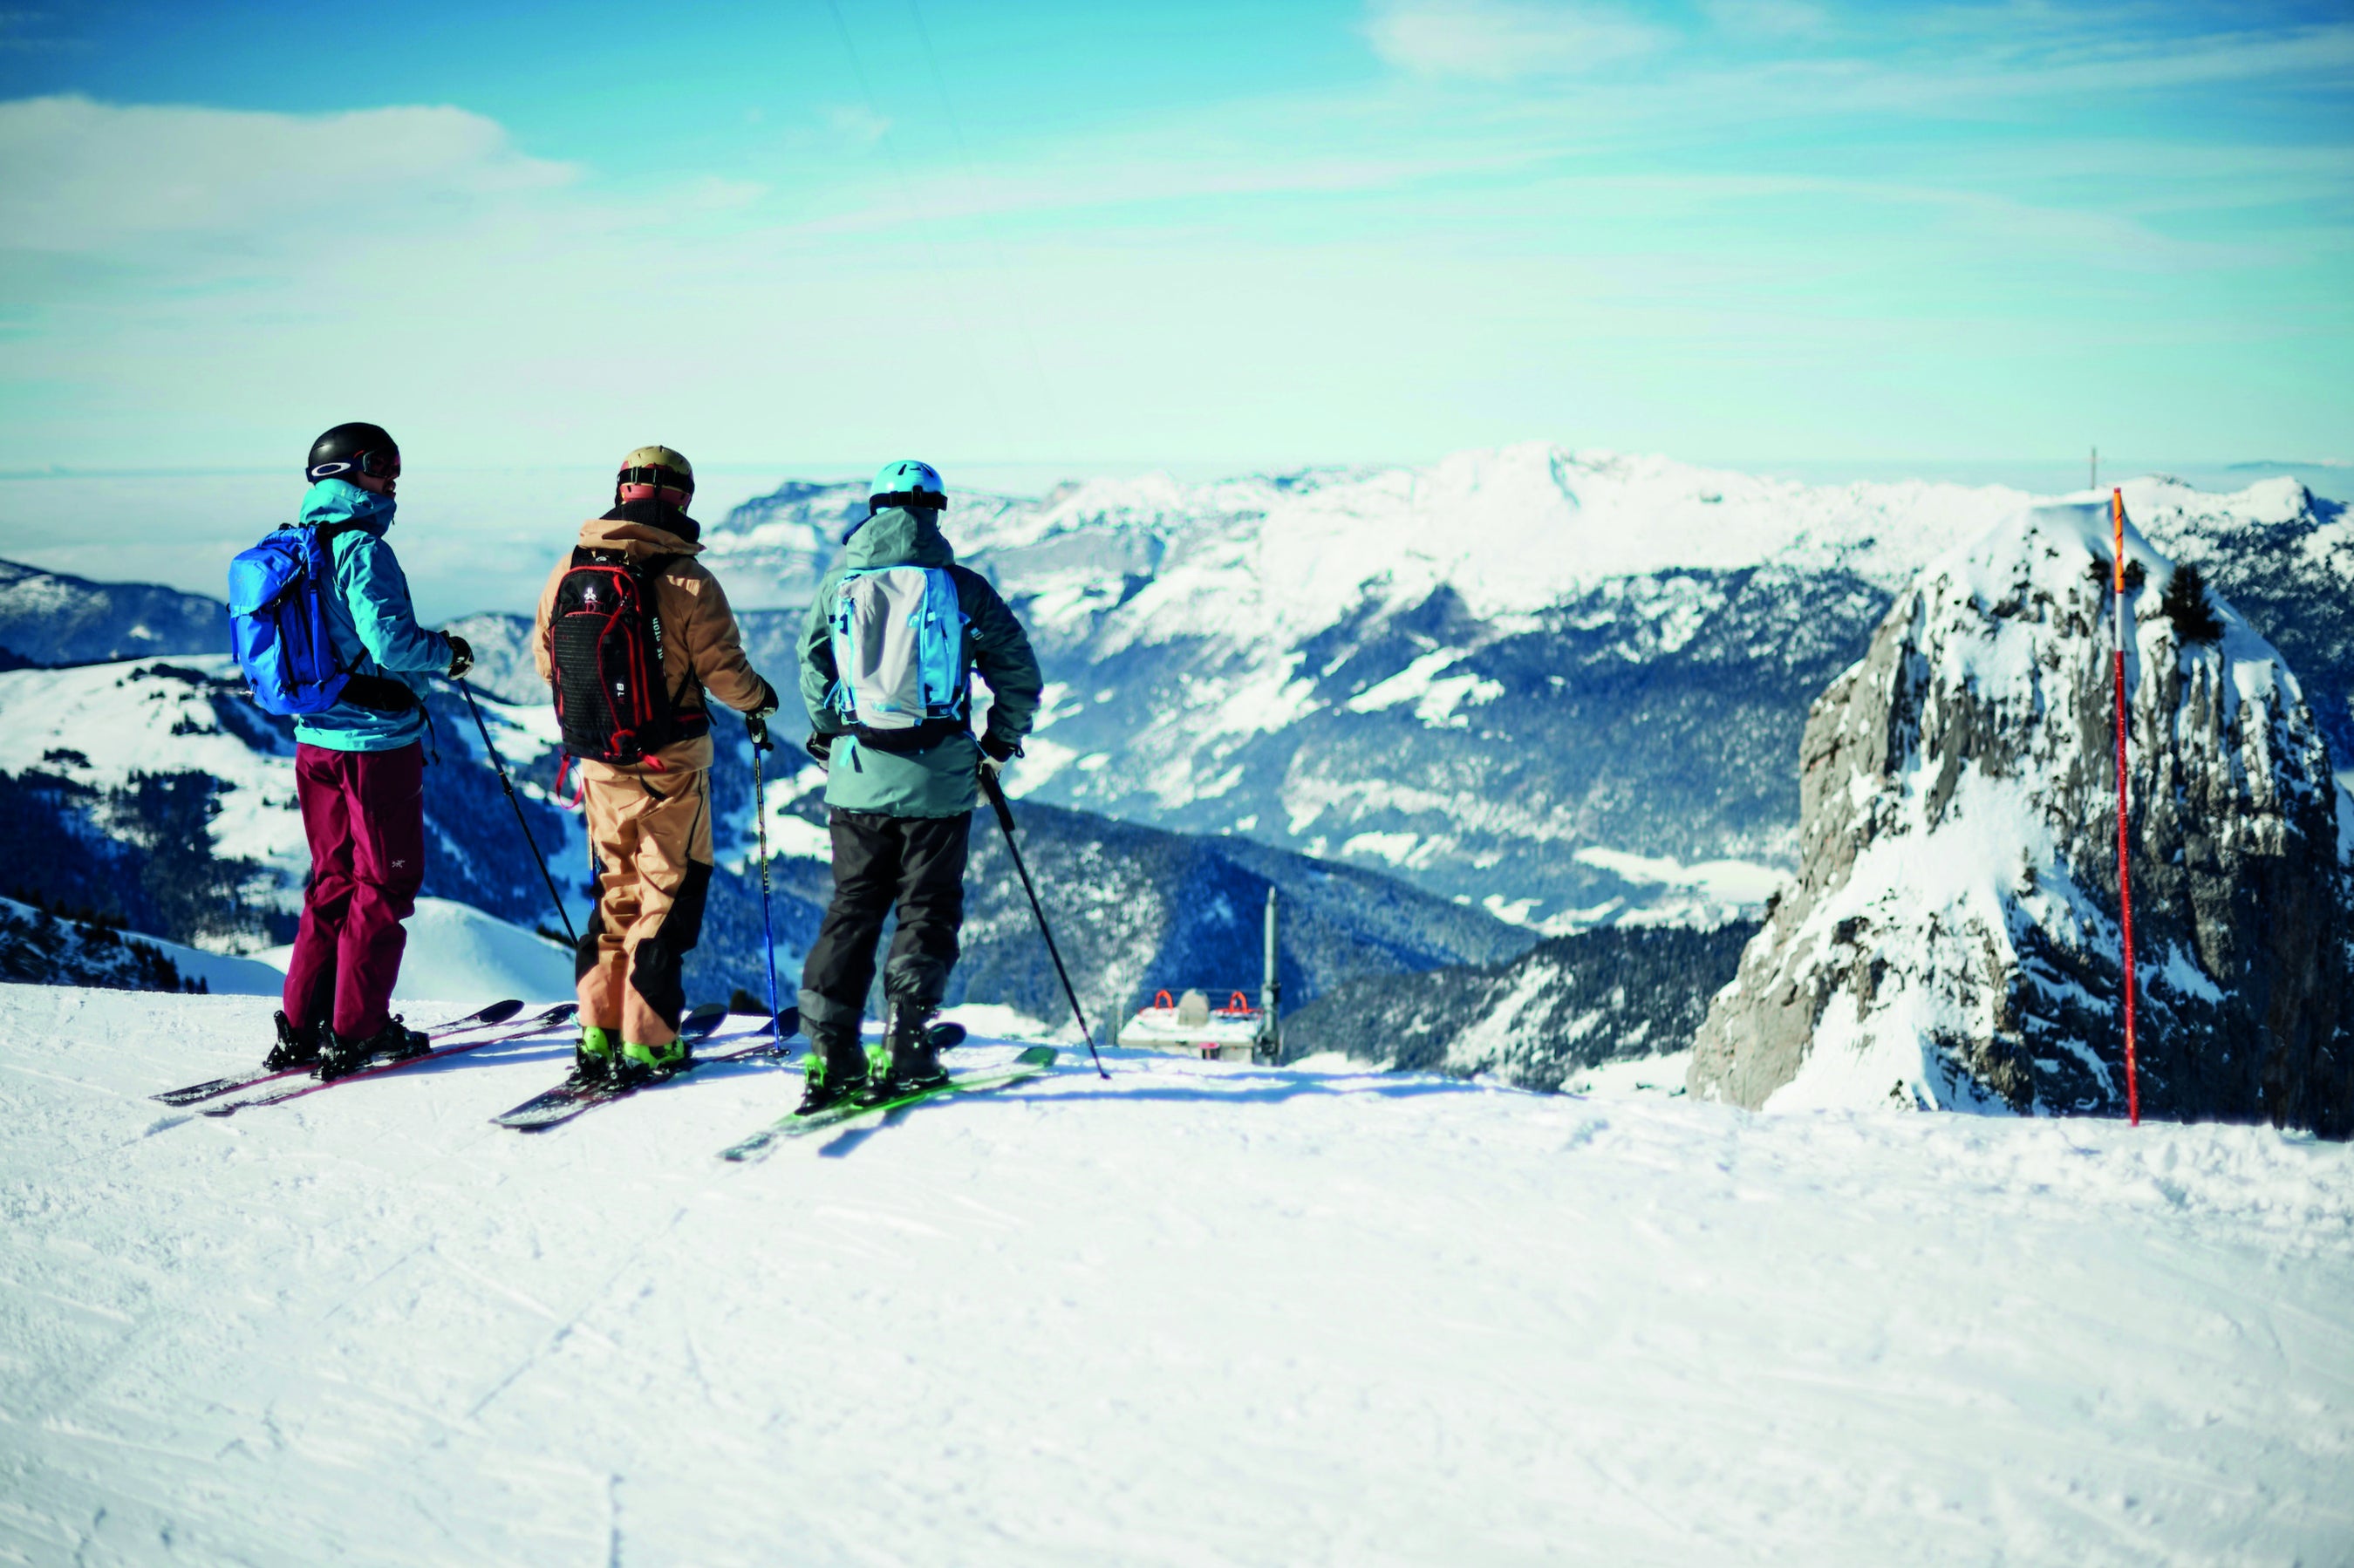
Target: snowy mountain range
(1567,686)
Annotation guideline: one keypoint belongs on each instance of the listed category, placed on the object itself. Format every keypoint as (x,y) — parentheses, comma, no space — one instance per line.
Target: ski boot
(651,1064)
(341,1057)
(910,1058)
(837,1067)
(592,1056)
(296,1048)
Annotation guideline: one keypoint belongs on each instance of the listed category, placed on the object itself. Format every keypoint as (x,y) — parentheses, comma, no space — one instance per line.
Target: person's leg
(923,950)
(600,964)
(931,910)
(309,994)
(840,969)
(673,865)
(384,794)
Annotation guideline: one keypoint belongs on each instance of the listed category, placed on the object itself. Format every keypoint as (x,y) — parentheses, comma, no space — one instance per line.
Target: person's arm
(542,654)
(715,649)
(1001,652)
(818,674)
(377,593)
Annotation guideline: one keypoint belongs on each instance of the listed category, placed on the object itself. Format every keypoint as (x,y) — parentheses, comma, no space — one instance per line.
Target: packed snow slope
(455,950)
(1564,684)
(1195,1314)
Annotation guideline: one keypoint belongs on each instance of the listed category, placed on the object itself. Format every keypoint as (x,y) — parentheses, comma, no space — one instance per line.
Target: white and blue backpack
(901,682)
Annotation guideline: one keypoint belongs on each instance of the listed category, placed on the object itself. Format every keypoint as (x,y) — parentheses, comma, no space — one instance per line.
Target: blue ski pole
(759,729)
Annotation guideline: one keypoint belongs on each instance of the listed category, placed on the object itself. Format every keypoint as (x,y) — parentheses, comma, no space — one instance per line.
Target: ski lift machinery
(1186,1024)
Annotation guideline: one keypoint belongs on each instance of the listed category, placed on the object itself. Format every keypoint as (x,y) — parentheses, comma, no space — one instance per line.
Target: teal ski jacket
(943,781)
(369,614)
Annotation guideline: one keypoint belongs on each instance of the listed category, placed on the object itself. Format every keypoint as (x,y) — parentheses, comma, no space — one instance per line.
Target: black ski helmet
(357,447)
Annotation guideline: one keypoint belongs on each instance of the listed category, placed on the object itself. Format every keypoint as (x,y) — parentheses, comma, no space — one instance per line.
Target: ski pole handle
(989,787)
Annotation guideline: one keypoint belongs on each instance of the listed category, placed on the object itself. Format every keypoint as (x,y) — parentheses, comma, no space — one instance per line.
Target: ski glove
(822,747)
(461,655)
(768,703)
(999,749)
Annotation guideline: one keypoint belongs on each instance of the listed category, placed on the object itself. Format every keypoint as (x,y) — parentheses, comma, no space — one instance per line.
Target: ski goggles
(375,465)
(658,479)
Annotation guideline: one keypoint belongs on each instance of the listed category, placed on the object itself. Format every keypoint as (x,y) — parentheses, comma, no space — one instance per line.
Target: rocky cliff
(1952,937)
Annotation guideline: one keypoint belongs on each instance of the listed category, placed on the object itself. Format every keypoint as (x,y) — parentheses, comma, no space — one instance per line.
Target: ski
(497,1013)
(568,1098)
(1033,1063)
(538,1024)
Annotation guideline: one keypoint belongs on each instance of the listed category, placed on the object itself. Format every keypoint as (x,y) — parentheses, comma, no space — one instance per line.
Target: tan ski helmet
(656,466)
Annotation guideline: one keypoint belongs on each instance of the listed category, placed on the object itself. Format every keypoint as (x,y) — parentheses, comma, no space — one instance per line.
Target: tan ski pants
(651,835)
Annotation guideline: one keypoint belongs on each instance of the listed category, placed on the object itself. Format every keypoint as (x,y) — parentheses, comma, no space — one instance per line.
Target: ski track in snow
(1200,1314)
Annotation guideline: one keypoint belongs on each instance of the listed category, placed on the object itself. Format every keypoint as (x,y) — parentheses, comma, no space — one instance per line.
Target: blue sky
(812,235)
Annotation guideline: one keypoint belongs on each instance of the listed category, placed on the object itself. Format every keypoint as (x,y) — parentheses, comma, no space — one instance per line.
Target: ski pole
(758,730)
(508,785)
(1005,820)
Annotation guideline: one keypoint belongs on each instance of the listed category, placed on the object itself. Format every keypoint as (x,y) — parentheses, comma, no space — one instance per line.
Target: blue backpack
(900,681)
(278,623)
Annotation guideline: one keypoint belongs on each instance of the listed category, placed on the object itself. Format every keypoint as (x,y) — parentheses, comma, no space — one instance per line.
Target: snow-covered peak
(1953,938)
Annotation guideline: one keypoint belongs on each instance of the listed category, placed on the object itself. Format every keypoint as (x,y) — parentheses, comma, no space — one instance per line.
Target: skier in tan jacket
(649,815)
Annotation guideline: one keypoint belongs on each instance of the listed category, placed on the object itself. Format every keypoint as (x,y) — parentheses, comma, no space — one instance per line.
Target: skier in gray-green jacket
(895,733)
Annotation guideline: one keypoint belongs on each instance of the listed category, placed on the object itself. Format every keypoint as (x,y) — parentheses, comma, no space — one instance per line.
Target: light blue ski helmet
(908,484)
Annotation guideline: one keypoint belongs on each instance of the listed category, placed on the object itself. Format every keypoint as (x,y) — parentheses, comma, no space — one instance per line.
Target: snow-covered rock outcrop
(1952,937)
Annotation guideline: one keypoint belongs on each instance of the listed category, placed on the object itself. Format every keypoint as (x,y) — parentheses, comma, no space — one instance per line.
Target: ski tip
(500,1011)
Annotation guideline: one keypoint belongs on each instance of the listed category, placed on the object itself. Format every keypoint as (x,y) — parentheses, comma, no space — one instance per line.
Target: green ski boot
(837,1067)
(592,1056)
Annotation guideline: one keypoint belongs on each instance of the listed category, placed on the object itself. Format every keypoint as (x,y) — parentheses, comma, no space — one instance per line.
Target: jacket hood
(901,536)
(657,514)
(637,541)
(334,503)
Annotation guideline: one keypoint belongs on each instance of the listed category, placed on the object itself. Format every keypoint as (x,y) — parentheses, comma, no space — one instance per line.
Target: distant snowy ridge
(41,946)
(1952,940)
(1515,676)
(51,617)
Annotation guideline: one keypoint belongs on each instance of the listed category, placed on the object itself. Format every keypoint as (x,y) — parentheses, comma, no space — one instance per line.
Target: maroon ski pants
(364,812)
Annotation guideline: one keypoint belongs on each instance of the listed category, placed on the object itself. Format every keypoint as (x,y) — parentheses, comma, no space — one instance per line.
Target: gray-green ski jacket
(941,781)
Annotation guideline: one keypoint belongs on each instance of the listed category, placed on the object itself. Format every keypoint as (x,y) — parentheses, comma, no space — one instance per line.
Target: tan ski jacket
(703,648)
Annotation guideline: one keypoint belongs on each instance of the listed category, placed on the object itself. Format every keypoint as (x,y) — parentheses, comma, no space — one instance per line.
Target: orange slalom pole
(2125,874)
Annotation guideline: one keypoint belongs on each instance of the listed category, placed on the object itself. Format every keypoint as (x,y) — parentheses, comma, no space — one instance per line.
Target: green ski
(1033,1063)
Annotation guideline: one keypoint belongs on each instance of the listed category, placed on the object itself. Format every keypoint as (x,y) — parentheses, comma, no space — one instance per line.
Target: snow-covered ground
(1197,1314)
(455,950)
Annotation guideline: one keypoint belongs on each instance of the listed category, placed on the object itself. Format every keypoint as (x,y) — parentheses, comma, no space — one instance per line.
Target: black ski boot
(341,1057)
(837,1067)
(911,1057)
(296,1048)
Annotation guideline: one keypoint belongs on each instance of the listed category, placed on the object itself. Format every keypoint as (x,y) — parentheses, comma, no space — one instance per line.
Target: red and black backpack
(605,639)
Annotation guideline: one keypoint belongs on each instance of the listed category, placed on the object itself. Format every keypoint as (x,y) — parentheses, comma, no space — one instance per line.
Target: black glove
(996,751)
(767,703)
(758,727)
(822,747)
(461,655)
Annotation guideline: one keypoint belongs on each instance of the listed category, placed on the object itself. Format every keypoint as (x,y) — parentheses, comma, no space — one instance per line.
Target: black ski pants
(915,862)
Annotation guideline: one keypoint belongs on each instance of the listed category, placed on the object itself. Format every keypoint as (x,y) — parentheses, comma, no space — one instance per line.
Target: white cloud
(1498,40)
(85,176)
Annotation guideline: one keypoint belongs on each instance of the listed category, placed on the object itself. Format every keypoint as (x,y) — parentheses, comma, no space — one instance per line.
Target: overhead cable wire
(989,230)
(908,205)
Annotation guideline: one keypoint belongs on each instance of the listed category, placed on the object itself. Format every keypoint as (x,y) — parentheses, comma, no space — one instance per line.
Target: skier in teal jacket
(900,818)
(359,773)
